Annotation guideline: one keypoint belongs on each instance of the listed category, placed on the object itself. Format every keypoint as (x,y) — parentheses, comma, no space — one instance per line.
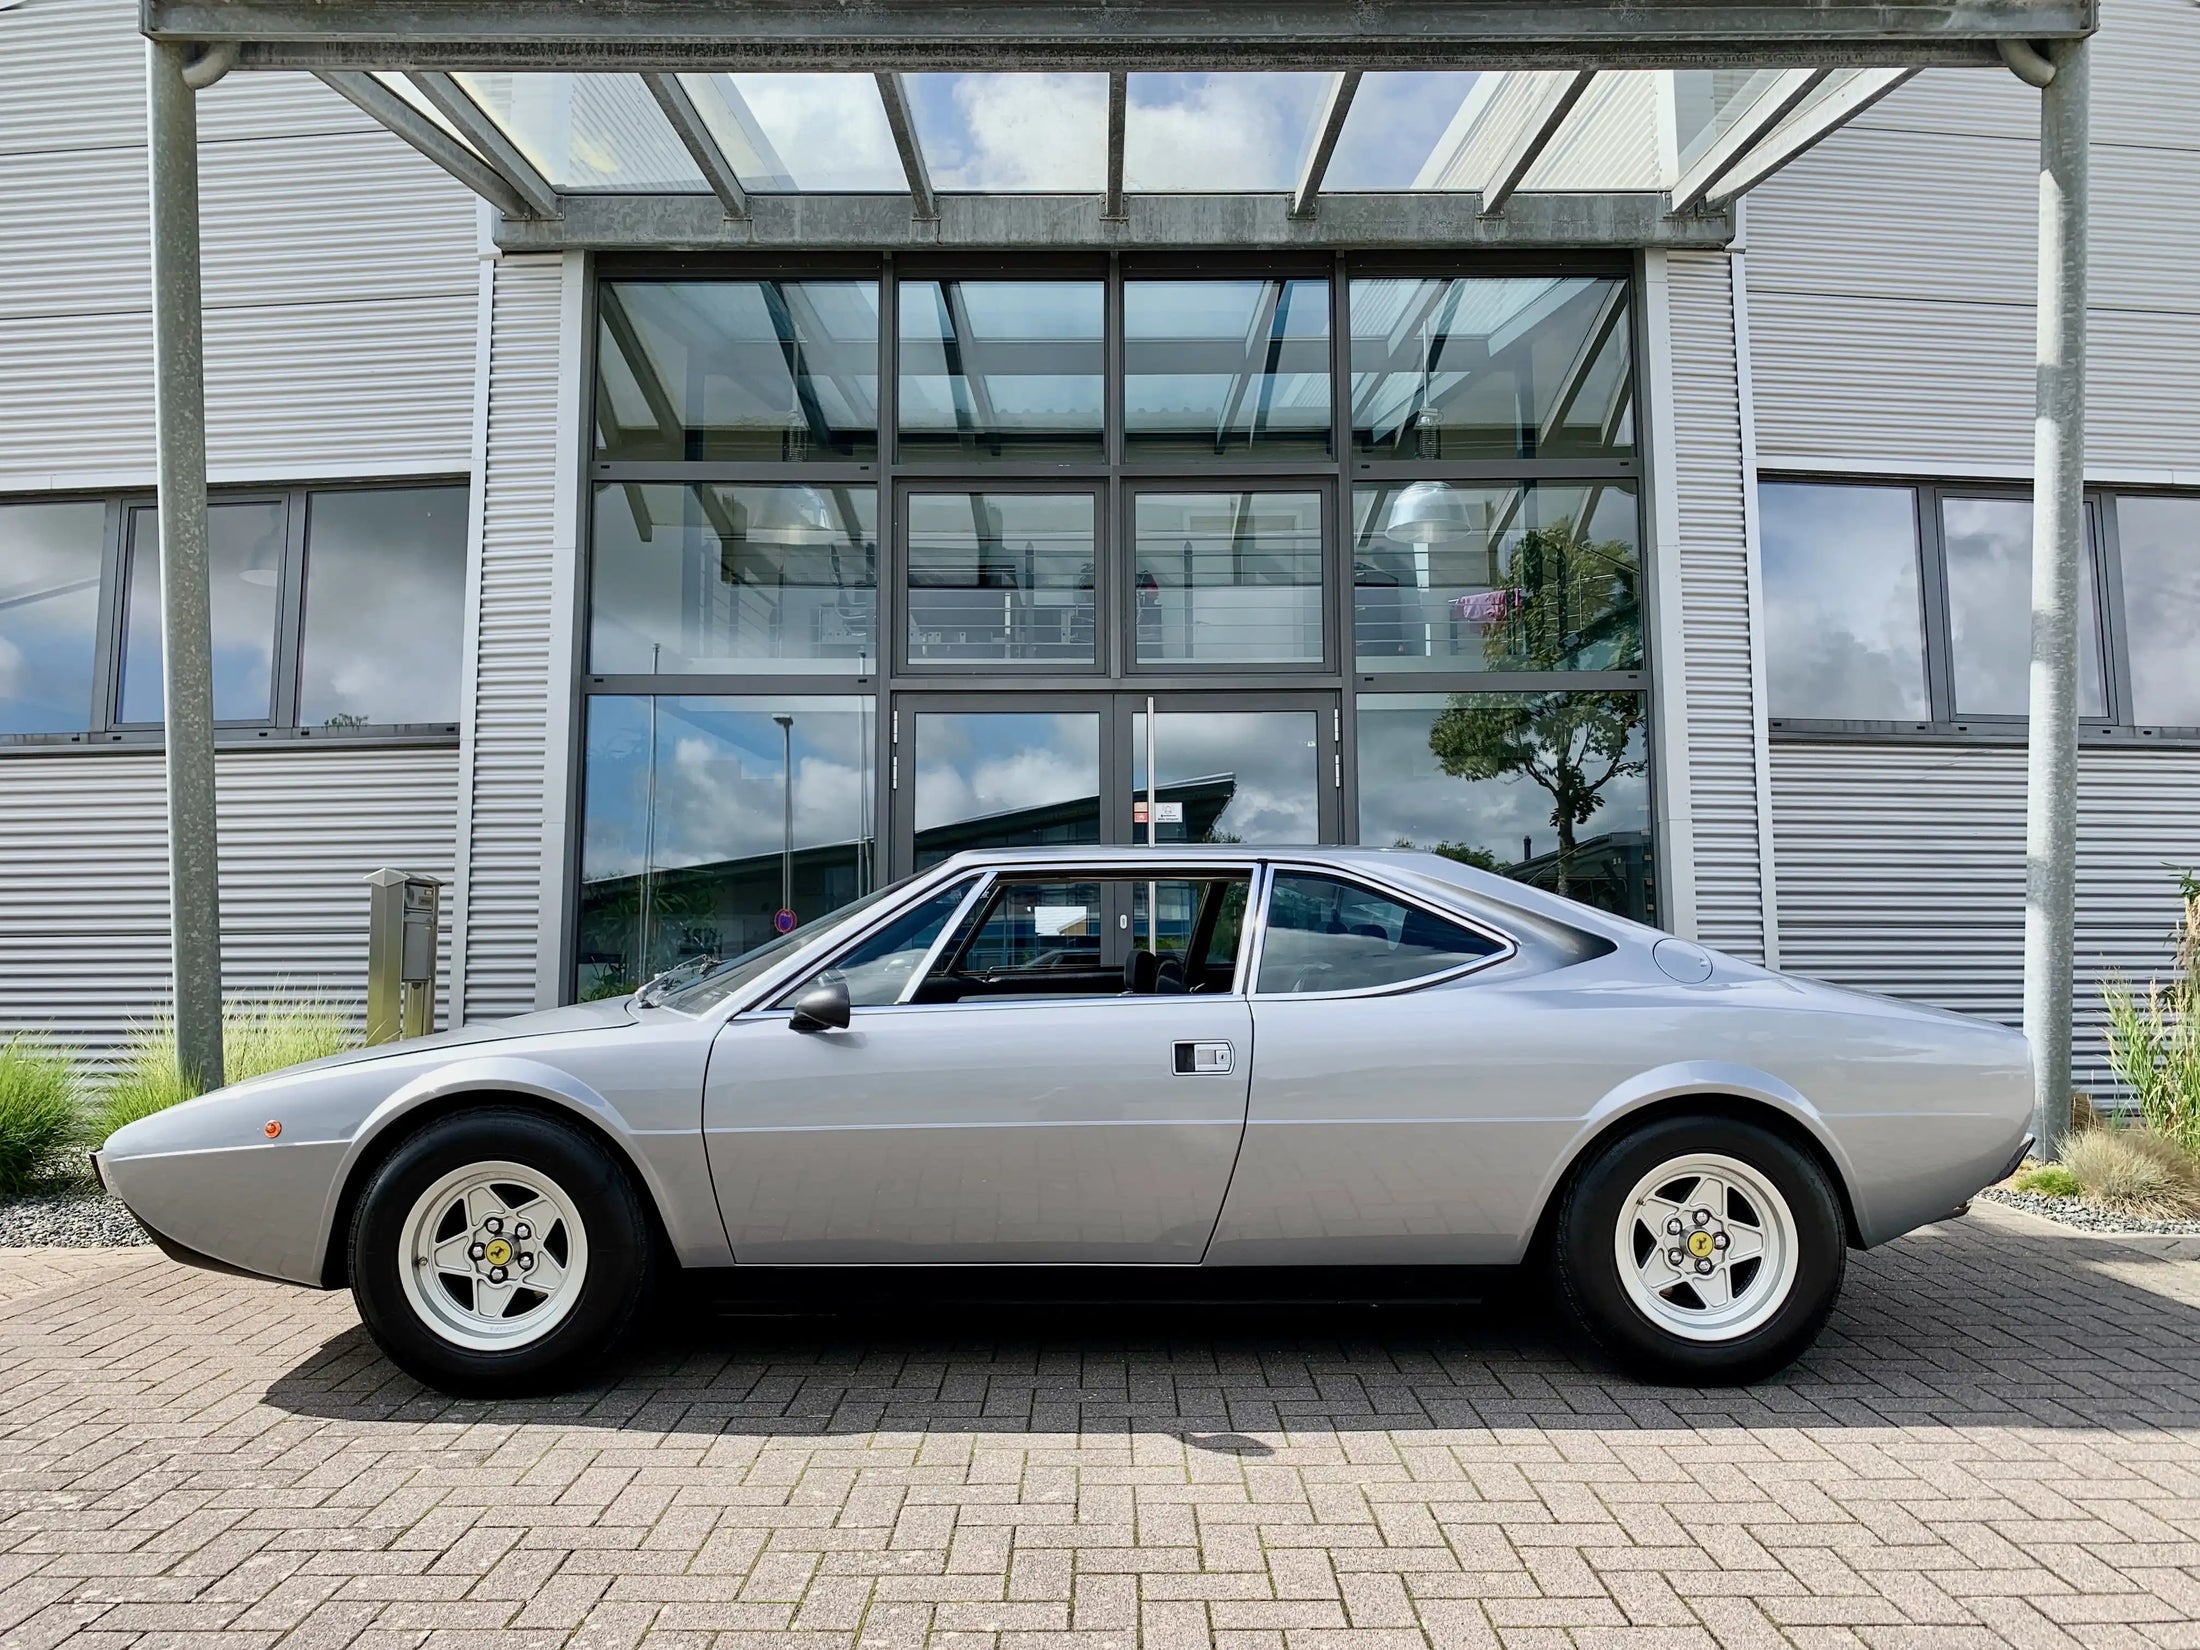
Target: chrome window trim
(987,878)
(979,886)
(1508,946)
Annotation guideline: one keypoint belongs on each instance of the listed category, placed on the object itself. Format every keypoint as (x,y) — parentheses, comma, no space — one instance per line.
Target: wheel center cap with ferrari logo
(1699,1244)
(499,1253)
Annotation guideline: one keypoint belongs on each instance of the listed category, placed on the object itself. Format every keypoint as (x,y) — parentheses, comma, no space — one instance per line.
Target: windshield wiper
(658,986)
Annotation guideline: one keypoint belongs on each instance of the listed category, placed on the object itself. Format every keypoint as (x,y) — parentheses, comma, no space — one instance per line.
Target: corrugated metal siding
(1610,141)
(1902,871)
(84,878)
(339,270)
(1715,605)
(515,690)
(1892,270)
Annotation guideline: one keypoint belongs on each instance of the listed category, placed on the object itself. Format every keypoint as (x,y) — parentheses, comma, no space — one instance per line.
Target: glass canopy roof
(1255,132)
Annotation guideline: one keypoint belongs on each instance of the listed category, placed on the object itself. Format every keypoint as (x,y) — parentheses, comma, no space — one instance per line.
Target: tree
(1570,599)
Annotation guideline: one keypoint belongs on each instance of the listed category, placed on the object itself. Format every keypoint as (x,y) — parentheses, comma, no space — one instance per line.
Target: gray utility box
(401,950)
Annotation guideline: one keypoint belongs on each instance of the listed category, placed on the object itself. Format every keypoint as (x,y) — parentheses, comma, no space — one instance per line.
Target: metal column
(2058,560)
(187,642)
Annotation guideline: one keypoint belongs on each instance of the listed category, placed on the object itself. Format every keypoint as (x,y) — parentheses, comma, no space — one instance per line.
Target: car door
(1021,1096)
(1391,1119)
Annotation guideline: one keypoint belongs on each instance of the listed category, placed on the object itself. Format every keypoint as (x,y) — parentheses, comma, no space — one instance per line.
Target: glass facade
(1064,551)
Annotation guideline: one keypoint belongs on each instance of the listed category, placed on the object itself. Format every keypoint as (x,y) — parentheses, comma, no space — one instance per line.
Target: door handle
(1203,1060)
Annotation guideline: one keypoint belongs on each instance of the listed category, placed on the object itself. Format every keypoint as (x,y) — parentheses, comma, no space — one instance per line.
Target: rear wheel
(1702,1250)
(499,1251)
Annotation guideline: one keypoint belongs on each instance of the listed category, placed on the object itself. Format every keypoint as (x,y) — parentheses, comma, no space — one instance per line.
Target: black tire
(620,1253)
(1601,1303)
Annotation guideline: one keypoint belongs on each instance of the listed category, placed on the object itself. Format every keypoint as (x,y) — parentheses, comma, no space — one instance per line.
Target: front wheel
(1701,1250)
(499,1251)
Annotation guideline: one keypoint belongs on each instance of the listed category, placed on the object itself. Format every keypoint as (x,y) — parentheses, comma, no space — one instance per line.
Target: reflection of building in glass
(635,924)
(1612,872)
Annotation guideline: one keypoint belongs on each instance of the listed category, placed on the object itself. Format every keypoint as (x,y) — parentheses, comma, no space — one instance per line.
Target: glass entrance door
(1059,769)
(1258,768)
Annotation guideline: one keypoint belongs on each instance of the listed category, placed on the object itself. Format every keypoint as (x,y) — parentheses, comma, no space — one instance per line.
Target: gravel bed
(73,1218)
(2073,1211)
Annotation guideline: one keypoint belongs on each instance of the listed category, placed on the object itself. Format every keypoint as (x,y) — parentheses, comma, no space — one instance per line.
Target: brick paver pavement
(1997,1443)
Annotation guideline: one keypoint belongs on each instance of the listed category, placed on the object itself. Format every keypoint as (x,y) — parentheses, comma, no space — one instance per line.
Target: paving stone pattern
(1997,1443)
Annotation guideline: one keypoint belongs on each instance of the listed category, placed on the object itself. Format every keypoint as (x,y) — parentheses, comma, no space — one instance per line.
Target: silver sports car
(1206,1057)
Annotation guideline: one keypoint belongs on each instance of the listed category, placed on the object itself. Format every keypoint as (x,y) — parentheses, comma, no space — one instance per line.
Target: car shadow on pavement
(1975,1323)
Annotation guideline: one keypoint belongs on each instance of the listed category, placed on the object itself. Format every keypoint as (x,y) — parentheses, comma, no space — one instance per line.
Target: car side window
(877,971)
(1083,936)
(1325,934)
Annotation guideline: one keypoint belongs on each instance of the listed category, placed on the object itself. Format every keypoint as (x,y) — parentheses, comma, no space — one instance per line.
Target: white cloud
(1220,132)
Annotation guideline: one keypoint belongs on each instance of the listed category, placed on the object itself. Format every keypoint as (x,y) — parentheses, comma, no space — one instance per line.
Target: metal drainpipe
(187,642)
(2058,547)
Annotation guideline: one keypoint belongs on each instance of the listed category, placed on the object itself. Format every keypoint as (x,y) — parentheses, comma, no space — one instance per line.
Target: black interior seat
(1141,973)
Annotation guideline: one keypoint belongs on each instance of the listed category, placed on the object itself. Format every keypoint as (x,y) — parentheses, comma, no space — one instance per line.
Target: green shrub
(2154,1036)
(39,1116)
(2049,1180)
(2134,1171)
(257,1038)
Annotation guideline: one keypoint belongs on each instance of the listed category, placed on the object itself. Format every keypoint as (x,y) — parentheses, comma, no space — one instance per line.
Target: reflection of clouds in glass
(1270,755)
(1844,636)
(1406,798)
(1217,133)
(384,605)
(976,766)
(719,779)
(1988,546)
(828,130)
(1395,122)
(1009,132)
(2159,540)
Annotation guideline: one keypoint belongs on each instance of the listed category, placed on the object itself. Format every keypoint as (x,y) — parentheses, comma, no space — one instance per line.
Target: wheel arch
(388,1133)
(1793,1121)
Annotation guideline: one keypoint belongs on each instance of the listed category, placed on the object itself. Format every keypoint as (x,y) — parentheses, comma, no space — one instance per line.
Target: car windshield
(706,992)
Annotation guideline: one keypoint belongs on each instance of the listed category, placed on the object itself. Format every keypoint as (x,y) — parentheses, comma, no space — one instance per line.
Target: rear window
(1326,934)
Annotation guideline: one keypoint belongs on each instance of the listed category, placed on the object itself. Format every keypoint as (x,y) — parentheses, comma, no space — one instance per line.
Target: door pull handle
(1203,1060)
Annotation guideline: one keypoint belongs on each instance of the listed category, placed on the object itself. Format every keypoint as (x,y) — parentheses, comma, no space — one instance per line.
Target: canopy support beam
(1802,128)
(1778,101)
(450,100)
(186,590)
(373,98)
(695,136)
(1557,102)
(1119,110)
(1326,132)
(893,91)
(2058,560)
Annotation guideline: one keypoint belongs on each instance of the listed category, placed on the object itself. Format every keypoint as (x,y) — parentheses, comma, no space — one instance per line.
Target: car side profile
(1207,1057)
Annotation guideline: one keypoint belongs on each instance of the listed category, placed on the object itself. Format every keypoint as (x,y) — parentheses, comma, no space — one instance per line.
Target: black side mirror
(824,1007)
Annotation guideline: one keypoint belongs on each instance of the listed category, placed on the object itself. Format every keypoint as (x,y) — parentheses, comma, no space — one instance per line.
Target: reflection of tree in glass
(1571,597)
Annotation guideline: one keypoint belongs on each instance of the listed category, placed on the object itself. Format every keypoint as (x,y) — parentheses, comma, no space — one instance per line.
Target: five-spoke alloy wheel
(1701,1249)
(499,1251)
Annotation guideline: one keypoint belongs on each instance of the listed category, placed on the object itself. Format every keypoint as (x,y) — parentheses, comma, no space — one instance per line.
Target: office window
(333,611)
(1226,369)
(1002,370)
(385,602)
(246,546)
(1551,789)
(1911,604)
(50,558)
(1505,577)
(713,577)
(1228,578)
(1844,623)
(2158,543)
(1987,546)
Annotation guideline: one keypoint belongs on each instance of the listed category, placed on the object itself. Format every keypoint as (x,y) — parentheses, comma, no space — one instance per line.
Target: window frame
(1255,945)
(106,730)
(1943,724)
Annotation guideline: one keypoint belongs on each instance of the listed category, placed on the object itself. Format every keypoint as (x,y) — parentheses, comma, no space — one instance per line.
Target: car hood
(614,1011)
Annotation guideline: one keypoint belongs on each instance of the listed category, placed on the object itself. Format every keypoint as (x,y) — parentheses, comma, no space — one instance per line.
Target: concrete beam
(488,139)
(1725,151)
(695,136)
(1067,222)
(965,35)
(1536,131)
(893,91)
